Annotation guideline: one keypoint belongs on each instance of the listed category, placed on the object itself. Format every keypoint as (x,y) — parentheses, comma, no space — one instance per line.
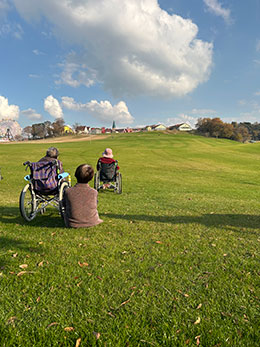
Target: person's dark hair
(52,152)
(84,173)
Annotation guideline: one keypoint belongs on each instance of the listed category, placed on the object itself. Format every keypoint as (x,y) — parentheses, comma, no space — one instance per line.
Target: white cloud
(37,52)
(134,46)
(8,111)
(203,111)
(257,93)
(13,29)
(32,75)
(215,7)
(31,114)
(103,110)
(182,118)
(75,74)
(52,106)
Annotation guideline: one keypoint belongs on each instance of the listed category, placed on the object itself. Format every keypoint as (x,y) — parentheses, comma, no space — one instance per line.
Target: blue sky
(137,62)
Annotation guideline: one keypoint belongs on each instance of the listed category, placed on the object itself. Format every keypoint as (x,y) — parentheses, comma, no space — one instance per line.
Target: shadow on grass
(210,220)
(11,215)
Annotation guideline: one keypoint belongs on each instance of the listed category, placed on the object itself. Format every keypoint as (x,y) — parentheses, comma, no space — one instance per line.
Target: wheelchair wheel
(96,181)
(27,203)
(63,187)
(119,183)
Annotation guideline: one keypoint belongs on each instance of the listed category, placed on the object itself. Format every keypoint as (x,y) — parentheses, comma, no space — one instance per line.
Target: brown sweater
(81,206)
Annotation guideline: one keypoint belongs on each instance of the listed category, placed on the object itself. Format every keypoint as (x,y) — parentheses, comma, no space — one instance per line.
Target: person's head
(52,152)
(108,153)
(84,173)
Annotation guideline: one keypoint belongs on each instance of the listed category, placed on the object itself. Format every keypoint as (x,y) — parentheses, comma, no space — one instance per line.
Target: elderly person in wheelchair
(108,175)
(46,185)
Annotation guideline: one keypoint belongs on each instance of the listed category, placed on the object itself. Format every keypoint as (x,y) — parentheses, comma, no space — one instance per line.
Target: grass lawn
(175,263)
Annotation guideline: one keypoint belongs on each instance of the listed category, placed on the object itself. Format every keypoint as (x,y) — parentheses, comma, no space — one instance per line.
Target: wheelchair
(107,173)
(33,201)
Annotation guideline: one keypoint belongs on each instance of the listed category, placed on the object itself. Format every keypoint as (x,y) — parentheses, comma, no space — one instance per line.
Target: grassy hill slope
(176,261)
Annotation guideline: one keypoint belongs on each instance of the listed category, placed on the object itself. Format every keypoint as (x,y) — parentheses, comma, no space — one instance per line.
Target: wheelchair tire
(64,185)
(119,183)
(96,181)
(27,203)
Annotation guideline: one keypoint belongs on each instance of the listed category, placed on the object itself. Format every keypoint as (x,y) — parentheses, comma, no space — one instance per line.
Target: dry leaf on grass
(40,263)
(199,306)
(82,264)
(52,324)
(15,255)
(23,266)
(21,273)
(38,299)
(158,242)
(97,335)
(78,342)
(197,338)
(11,320)
(69,329)
(197,321)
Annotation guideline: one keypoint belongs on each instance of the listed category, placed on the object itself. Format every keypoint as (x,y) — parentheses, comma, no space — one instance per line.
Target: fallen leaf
(186,295)
(197,338)
(52,324)
(1,274)
(38,299)
(78,284)
(23,266)
(11,320)
(41,242)
(197,321)
(52,234)
(158,241)
(99,278)
(82,264)
(224,255)
(21,273)
(69,329)
(41,263)
(15,255)
(78,342)
(199,306)
(97,335)
(110,314)
(213,245)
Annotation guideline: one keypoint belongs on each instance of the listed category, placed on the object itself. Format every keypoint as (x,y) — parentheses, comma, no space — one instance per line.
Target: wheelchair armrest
(27,177)
(63,175)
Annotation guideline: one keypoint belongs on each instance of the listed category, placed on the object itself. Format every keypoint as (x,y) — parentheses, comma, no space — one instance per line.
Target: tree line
(215,127)
(45,129)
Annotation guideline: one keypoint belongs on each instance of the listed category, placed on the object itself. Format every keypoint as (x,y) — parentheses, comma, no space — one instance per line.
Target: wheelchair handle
(27,163)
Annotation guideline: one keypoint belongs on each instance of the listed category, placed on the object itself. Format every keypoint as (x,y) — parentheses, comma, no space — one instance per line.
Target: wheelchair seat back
(45,176)
(107,171)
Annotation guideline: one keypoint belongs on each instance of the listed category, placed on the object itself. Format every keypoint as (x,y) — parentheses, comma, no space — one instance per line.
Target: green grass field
(175,263)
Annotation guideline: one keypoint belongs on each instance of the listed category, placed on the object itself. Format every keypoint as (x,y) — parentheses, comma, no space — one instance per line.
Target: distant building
(82,129)
(180,127)
(95,131)
(155,127)
(67,129)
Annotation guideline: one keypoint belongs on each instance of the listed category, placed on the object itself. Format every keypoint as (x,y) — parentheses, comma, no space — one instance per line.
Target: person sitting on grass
(107,159)
(80,201)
